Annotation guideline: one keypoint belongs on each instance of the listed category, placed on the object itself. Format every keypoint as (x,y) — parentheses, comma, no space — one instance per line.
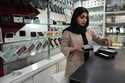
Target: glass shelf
(48,24)
(98,8)
(115,24)
(32,39)
(96,13)
(116,13)
(98,22)
(115,34)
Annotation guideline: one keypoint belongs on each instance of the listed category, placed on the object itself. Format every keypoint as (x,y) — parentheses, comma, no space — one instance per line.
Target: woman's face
(82,19)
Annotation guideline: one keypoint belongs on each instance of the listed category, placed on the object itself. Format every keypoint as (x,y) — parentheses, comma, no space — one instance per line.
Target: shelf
(96,23)
(116,13)
(48,24)
(92,7)
(59,25)
(32,39)
(96,13)
(92,4)
(121,34)
(95,8)
(115,24)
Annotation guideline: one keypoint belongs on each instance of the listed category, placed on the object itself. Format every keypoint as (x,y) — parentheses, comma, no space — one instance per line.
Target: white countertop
(31,70)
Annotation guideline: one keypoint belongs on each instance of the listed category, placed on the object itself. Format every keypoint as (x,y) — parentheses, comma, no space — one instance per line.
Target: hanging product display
(42,4)
(57,6)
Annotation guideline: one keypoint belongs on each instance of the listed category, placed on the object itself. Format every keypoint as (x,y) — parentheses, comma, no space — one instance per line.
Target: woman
(75,37)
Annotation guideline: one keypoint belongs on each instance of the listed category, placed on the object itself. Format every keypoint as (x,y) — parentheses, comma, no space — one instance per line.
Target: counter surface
(99,70)
(31,70)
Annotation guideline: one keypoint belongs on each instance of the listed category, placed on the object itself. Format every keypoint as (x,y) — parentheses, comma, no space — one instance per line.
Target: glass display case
(31,31)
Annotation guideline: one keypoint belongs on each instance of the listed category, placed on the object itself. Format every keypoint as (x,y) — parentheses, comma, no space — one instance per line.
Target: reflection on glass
(33,53)
(34,66)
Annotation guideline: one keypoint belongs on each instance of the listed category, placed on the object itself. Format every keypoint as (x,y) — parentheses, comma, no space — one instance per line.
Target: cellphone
(87,47)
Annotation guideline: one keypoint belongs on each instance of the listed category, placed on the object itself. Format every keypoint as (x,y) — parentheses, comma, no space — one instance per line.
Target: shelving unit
(115,22)
(96,10)
(105,15)
(48,21)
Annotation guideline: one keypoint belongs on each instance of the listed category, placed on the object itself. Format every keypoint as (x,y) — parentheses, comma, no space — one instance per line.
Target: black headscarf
(74,26)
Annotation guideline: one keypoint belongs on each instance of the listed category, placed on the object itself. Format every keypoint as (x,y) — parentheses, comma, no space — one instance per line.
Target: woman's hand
(108,41)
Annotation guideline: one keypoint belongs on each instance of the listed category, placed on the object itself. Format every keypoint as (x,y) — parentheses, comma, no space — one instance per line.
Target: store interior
(31,30)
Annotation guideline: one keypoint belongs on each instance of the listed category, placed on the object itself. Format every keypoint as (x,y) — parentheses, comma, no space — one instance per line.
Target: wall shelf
(96,13)
(115,24)
(116,13)
(96,23)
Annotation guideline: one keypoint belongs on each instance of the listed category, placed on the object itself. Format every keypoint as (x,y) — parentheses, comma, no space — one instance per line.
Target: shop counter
(32,72)
(100,70)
